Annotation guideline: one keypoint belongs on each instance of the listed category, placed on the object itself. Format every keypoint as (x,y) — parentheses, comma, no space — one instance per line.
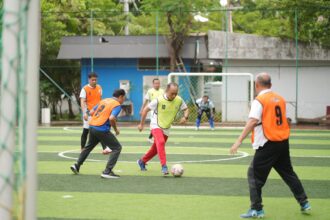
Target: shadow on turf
(186,185)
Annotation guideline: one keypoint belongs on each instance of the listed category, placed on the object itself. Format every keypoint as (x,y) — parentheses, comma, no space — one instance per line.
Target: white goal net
(231,93)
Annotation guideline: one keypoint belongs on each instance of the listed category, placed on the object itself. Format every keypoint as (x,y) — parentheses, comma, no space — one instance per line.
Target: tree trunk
(60,108)
(71,114)
(172,59)
(177,41)
(54,112)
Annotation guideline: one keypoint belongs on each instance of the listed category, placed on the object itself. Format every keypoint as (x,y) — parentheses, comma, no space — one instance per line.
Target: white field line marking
(139,152)
(67,196)
(243,154)
(208,128)
(195,133)
(71,151)
(326,131)
(304,156)
(69,129)
(170,147)
(175,127)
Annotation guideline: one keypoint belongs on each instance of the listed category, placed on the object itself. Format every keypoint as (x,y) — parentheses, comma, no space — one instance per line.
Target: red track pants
(158,147)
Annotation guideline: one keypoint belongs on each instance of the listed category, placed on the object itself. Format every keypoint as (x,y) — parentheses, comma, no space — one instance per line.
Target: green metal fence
(300,33)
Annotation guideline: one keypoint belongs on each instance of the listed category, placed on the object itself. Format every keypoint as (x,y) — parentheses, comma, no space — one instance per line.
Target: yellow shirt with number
(153,94)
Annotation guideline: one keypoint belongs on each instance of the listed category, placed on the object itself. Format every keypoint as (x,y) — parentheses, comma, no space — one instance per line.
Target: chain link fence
(230,104)
(290,43)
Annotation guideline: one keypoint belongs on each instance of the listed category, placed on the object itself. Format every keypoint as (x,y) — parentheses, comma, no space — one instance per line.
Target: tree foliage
(175,19)
(70,18)
(179,16)
(277,18)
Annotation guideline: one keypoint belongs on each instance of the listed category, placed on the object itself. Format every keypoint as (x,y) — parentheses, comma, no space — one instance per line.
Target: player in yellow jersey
(165,108)
(152,94)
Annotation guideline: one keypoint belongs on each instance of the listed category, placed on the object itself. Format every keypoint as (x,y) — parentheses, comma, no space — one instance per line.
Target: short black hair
(118,92)
(92,74)
(205,96)
(155,79)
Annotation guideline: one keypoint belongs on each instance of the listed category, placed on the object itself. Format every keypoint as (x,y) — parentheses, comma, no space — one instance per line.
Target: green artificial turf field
(214,185)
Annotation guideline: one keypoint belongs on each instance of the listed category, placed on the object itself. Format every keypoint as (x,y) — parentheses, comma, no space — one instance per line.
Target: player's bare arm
(145,102)
(113,122)
(184,119)
(250,124)
(143,118)
(83,106)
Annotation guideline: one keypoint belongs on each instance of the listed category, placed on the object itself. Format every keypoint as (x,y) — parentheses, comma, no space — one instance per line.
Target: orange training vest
(93,96)
(274,121)
(103,111)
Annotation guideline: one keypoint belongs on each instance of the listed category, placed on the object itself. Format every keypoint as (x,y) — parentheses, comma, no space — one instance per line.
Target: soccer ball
(177,170)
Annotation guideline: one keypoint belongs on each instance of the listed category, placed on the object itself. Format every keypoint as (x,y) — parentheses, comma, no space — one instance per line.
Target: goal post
(19,108)
(32,90)
(8,105)
(232,98)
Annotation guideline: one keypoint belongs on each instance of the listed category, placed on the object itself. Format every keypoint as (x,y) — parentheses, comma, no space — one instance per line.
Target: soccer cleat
(305,208)
(106,151)
(212,129)
(197,128)
(252,213)
(142,165)
(110,175)
(165,170)
(75,168)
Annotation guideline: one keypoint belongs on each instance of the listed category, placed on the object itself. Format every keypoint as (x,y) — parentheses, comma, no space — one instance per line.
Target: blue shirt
(106,126)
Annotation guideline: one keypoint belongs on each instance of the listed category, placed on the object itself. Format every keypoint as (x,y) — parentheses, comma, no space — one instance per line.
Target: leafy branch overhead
(175,19)
(179,16)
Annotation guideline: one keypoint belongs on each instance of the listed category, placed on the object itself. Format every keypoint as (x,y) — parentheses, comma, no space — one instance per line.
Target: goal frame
(250,75)
(19,90)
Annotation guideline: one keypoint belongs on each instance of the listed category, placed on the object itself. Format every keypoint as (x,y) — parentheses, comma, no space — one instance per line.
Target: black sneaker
(110,175)
(75,168)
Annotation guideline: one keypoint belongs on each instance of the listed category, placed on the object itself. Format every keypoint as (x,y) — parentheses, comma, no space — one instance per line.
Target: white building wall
(235,98)
(314,92)
(313,87)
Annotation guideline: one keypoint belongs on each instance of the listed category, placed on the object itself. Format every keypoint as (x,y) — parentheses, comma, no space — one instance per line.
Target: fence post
(91,40)
(297,59)
(157,44)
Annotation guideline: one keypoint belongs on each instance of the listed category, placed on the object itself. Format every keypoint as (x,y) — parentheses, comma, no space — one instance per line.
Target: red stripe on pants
(157,147)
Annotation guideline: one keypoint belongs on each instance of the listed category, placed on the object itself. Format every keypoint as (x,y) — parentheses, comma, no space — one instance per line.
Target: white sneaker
(212,129)
(106,151)
(197,128)
(151,140)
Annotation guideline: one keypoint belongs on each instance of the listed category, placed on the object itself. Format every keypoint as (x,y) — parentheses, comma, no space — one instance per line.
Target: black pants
(107,139)
(277,155)
(83,138)
(207,112)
